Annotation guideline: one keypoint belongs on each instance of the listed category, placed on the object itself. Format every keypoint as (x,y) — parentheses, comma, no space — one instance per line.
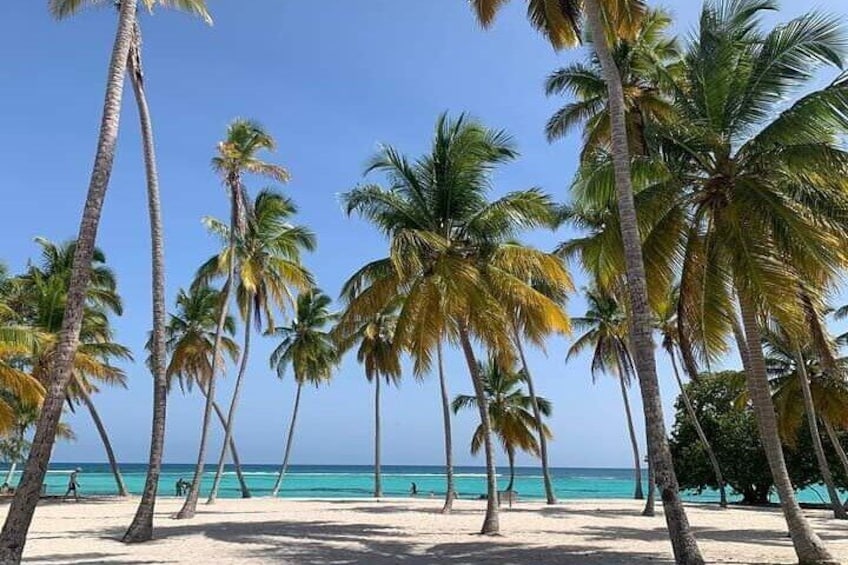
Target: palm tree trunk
(141,528)
(190,505)
(510,455)
(741,344)
(722,490)
(19,516)
(245,491)
(837,445)
(11,472)
(543,441)
(107,445)
(443,386)
(287,452)
(808,546)
(652,488)
(491,523)
(634,444)
(378,483)
(231,415)
(818,448)
(683,543)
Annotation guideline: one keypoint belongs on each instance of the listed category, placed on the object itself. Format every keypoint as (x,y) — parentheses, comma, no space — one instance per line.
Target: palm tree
(19,517)
(308,348)
(141,528)
(510,411)
(380,356)
(644,62)
(605,327)
(525,329)
(238,154)
(190,337)
(40,295)
(267,262)
(453,260)
(666,322)
(558,20)
(765,209)
(792,366)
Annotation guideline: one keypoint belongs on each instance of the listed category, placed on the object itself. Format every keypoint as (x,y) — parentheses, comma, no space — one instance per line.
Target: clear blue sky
(330,84)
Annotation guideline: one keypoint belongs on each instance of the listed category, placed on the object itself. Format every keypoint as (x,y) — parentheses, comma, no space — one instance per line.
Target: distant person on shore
(179,487)
(73,485)
(414,490)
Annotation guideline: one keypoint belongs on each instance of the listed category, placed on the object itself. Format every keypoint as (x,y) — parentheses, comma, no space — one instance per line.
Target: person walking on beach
(73,485)
(414,490)
(179,487)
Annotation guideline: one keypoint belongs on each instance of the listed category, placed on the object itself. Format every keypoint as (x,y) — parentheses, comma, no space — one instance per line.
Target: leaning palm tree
(510,411)
(380,356)
(453,261)
(307,347)
(190,337)
(605,327)
(666,322)
(238,154)
(796,373)
(266,260)
(19,516)
(767,216)
(559,21)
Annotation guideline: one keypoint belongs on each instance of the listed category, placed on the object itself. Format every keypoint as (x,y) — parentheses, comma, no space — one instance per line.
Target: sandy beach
(408,531)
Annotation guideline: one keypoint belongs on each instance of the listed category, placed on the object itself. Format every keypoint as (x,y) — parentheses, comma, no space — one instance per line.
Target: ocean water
(357,481)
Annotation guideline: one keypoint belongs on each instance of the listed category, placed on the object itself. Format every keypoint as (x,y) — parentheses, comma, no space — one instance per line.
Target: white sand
(408,532)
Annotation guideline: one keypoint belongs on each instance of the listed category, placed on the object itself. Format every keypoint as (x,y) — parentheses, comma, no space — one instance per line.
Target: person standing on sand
(73,485)
(414,490)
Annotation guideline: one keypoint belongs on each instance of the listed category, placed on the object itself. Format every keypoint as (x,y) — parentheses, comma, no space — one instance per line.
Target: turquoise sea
(356,481)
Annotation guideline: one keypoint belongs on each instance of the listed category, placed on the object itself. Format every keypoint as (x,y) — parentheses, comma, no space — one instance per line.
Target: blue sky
(330,85)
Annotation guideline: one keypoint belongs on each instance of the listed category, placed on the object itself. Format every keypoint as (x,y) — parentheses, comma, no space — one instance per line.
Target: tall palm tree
(453,260)
(141,528)
(763,193)
(308,348)
(510,411)
(559,22)
(238,154)
(267,263)
(605,327)
(380,357)
(19,517)
(644,61)
(666,321)
(190,337)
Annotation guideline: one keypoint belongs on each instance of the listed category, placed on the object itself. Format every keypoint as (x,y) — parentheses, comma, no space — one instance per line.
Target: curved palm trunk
(245,491)
(741,345)
(190,505)
(510,455)
(818,448)
(808,546)
(107,445)
(450,491)
(652,488)
(634,444)
(683,543)
(722,490)
(289,439)
(19,516)
(11,472)
(491,523)
(231,415)
(543,441)
(378,482)
(141,528)
(837,445)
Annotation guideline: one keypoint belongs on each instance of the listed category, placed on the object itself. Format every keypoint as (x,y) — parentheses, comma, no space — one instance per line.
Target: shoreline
(409,530)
